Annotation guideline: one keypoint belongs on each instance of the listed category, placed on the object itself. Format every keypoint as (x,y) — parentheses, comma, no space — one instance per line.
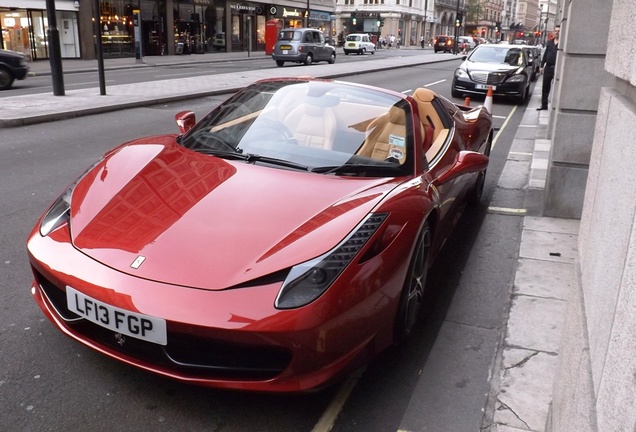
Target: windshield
(497,54)
(353,38)
(316,126)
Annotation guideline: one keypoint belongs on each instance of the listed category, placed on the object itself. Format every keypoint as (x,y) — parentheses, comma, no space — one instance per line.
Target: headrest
(396,115)
(424,95)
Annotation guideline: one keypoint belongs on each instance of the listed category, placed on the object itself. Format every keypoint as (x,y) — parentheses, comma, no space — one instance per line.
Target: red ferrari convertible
(275,245)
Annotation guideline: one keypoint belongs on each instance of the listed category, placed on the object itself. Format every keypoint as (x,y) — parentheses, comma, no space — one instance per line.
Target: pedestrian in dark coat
(547,67)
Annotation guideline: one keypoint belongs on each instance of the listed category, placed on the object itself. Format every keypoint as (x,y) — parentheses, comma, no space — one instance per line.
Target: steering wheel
(271,128)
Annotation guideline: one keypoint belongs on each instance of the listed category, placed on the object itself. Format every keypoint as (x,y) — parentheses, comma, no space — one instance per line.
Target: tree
(474,11)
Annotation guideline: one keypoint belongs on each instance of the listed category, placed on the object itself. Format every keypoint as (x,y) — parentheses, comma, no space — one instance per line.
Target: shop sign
(202,2)
(295,13)
(319,16)
(242,7)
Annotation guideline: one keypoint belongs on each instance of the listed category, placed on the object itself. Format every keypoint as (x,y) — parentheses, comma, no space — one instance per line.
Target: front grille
(488,78)
(188,354)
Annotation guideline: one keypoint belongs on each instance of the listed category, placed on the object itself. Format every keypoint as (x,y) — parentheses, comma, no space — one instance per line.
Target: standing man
(547,67)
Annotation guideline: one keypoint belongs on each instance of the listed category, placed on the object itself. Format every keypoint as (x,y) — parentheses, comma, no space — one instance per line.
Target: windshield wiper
(223,154)
(250,157)
(355,168)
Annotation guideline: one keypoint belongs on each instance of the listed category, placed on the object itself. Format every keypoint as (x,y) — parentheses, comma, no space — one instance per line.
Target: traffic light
(378,23)
(354,21)
(460,19)
(497,26)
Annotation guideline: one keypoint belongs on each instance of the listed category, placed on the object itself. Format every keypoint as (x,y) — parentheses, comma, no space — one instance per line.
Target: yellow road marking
(506,210)
(505,123)
(331,413)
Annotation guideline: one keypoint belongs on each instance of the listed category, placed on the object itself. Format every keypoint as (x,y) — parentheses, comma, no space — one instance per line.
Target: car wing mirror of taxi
(466,162)
(185,120)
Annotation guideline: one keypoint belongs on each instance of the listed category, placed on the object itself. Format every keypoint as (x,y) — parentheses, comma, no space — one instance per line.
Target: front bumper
(506,89)
(233,339)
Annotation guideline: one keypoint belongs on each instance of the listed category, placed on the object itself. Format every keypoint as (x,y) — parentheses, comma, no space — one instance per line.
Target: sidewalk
(524,369)
(525,362)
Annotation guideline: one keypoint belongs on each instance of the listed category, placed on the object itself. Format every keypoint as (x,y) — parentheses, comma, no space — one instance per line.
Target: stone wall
(595,389)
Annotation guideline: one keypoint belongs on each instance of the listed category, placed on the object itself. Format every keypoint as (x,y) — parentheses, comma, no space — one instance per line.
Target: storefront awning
(65,5)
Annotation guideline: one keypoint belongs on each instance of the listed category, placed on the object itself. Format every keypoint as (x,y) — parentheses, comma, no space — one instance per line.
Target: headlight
(461,73)
(307,281)
(60,211)
(517,78)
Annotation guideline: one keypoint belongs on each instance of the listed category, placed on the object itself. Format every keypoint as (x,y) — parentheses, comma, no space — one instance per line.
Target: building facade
(153,27)
(408,20)
(24,25)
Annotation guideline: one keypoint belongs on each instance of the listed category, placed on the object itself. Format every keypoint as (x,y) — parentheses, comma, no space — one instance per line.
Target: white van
(358,43)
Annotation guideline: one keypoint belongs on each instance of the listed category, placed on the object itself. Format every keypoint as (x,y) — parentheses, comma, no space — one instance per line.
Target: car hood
(12,54)
(164,213)
(470,66)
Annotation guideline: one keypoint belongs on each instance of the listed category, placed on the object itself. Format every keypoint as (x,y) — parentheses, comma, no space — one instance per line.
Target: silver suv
(302,45)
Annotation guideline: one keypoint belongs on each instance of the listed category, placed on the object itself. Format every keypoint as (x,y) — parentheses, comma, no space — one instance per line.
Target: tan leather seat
(313,125)
(424,97)
(428,114)
(386,137)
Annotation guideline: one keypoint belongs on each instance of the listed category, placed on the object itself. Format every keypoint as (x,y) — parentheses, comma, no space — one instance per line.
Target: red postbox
(271,35)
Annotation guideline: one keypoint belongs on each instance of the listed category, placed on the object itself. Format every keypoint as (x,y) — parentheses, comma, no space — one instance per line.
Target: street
(49,382)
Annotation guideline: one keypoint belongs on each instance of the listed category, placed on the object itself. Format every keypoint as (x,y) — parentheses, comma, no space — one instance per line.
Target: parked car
(13,66)
(302,45)
(506,68)
(444,44)
(466,42)
(534,56)
(275,245)
(358,43)
(218,42)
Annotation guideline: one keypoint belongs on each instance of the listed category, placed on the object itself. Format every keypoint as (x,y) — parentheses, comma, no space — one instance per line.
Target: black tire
(474,196)
(522,99)
(332,58)
(6,79)
(455,93)
(309,60)
(412,296)
(346,52)
(280,63)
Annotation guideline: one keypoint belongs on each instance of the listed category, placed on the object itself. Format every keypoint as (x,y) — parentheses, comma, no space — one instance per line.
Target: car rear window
(289,35)
(353,38)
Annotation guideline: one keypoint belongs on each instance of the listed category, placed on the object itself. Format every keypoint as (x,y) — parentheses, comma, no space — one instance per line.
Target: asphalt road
(74,81)
(439,379)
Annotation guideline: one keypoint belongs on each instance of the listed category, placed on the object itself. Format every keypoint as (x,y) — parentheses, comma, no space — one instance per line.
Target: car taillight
(300,48)
(448,42)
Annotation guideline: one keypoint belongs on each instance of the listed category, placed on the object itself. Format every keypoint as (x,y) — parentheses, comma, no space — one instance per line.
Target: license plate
(351,44)
(285,52)
(119,320)
(285,47)
(484,87)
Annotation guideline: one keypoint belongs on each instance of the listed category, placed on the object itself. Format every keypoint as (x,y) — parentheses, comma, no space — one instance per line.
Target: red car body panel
(219,237)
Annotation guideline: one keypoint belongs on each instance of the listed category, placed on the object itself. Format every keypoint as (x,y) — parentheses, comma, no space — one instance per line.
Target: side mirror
(466,162)
(185,120)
